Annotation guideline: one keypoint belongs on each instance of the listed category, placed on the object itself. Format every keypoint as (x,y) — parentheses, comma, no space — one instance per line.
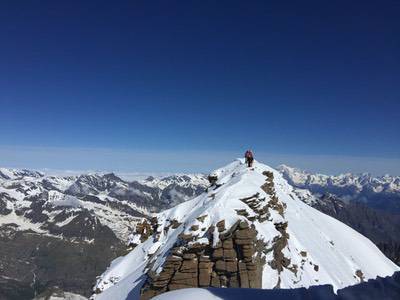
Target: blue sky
(185,86)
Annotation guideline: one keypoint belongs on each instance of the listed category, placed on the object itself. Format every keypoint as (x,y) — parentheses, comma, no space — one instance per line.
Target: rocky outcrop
(232,262)
(235,260)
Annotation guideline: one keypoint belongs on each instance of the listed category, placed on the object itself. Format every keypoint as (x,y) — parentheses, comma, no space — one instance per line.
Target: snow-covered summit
(249,229)
(6,173)
(183,180)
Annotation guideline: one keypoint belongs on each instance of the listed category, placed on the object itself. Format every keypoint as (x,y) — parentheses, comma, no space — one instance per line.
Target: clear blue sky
(292,78)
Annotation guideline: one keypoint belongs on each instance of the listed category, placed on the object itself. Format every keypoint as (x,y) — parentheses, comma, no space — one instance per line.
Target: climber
(249,158)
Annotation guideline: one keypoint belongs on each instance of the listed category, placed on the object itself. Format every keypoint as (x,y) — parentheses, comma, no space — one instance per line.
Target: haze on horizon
(188,86)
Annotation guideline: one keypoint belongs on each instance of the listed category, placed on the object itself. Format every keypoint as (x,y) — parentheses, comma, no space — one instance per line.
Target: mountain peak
(249,229)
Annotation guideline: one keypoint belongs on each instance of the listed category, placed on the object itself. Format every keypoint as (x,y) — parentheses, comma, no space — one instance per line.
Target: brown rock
(173,258)
(201,218)
(194,227)
(175,224)
(218,253)
(285,262)
(215,282)
(251,266)
(204,278)
(160,283)
(179,276)
(221,225)
(204,258)
(189,256)
(269,174)
(189,266)
(233,281)
(206,265)
(229,253)
(281,226)
(242,266)
(227,244)
(245,234)
(244,241)
(248,252)
(165,275)
(198,247)
(251,197)
(303,253)
(185,237)
(172,266)
(231,266)
(243,225)
(178,286)
(253,284)
(242,212)
(220,265)
(244,279)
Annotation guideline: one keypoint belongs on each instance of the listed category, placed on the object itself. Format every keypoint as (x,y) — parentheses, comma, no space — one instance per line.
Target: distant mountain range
(62,231)
(377,192)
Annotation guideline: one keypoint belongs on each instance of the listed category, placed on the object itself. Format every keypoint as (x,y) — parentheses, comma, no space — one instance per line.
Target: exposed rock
(221,225)
(215,281)
(194,227)
(189,256)
(212,179)
(242,212)
(243,225)
(175,224)
(233,263)
(144,229)
(201,218)
(227,244)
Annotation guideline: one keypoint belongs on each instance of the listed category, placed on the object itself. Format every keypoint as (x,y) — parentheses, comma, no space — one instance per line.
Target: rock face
(231,263)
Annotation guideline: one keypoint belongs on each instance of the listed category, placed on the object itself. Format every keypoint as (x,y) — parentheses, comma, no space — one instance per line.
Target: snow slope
(320,248)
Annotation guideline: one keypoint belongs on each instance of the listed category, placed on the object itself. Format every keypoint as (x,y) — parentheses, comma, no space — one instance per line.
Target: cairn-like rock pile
(233,262)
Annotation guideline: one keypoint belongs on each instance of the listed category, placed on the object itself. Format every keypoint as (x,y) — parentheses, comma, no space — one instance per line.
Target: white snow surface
(192,294)
(335,248)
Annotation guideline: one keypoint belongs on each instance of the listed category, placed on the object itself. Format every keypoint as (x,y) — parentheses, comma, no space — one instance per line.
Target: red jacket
(248,154)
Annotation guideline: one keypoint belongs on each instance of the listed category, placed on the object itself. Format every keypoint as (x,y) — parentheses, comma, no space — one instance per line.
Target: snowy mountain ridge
(354,182)
(27,194)
(248,230)
(70,227)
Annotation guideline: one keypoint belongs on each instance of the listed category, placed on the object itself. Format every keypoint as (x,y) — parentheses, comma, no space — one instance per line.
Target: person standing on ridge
(249,158)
